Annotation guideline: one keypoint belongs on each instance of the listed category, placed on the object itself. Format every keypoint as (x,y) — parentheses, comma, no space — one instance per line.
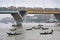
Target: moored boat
(13,33)
(29,29)
(45,33)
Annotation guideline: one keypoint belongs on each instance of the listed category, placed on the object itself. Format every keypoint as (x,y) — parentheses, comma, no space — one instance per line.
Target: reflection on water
(31,34)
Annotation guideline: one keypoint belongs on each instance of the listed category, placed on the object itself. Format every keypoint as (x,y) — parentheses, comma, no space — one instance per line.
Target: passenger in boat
(52,30)
(45,32)
(39,26)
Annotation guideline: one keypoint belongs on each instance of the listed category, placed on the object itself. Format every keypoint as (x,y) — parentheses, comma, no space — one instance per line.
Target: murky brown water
(33,34)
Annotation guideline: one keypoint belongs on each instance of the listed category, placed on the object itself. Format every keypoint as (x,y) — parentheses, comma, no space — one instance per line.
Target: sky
(29,3)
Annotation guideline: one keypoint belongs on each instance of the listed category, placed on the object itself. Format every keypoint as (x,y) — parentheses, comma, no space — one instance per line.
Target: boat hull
(14,33)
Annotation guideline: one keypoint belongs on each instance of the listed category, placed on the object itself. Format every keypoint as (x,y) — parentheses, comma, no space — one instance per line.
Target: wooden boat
(36,27)
(45,33)
(13,29)
(13,33)
(29,29)
(45,28)
(40,25)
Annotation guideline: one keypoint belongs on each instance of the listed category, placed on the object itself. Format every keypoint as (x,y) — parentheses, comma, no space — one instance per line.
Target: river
(33,34)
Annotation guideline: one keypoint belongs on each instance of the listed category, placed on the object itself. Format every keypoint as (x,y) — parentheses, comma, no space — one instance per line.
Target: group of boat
(35,27)
(13,31)
(40,27)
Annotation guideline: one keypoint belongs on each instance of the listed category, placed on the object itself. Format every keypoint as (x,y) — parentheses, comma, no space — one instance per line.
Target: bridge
(43,11)
(19,15)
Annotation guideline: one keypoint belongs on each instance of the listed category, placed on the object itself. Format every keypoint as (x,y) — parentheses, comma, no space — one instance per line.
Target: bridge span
(55,12)
(19,15)
(43,11)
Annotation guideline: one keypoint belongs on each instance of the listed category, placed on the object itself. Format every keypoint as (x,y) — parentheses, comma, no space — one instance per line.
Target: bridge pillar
(18,17)
(57,16)
(18,22)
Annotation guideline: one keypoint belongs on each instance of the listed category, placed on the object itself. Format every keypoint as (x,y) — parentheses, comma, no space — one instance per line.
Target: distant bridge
(19,15)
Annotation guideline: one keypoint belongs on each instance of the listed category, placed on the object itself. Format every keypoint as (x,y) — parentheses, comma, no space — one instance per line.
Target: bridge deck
(32,12)
(8,12)
(43,11)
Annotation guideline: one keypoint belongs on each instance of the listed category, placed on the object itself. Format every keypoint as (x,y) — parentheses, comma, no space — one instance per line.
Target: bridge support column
(18,19)
(57,16)
(18,23)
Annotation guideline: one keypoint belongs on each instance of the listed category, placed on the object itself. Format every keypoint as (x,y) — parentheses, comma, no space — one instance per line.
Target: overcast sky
(30,3)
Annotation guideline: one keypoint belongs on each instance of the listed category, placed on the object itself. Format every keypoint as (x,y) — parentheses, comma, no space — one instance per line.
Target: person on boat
(39,26)
(52,30)
(45,32)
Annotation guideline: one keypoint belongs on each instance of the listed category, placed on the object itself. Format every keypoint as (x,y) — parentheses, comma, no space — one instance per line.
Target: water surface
(33,34)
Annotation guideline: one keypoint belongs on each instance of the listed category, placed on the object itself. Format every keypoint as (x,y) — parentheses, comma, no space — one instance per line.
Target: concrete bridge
(44,11)
(19,15)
